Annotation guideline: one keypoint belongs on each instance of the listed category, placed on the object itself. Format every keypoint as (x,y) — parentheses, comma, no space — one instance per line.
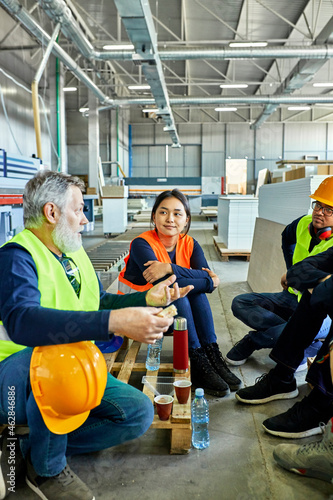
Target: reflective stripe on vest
(303,239)
(53,284)
(3,333)
(184,251)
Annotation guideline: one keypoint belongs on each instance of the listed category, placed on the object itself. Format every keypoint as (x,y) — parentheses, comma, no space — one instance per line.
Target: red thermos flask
(180,345)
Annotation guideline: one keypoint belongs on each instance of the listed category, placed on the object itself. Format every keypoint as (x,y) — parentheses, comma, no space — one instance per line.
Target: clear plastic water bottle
(153,360)
(200,420)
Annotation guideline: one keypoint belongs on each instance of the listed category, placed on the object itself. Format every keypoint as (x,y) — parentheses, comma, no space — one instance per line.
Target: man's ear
(51,212)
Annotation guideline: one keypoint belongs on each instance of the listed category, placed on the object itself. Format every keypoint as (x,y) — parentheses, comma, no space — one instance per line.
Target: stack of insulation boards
(236,220)
(285,201)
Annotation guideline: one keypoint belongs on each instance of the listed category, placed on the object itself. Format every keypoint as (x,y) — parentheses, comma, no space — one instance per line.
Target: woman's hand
(162,294)
(156,270)
(214,276)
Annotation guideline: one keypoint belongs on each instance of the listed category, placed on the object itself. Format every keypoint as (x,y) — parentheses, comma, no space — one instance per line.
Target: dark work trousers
(299,333)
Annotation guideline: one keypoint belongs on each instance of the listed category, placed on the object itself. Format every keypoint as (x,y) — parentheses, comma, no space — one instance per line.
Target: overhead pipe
(60,12)
(227,53)
(253,99)
(28,21)
(34,90)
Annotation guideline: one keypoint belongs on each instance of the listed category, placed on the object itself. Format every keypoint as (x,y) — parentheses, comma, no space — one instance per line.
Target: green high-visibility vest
(53,284)
(303,239)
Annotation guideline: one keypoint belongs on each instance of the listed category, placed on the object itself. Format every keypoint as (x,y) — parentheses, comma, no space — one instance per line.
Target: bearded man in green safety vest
(50,295)
(267,313)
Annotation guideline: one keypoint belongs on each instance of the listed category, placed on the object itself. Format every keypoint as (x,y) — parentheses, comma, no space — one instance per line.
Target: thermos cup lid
(180,323)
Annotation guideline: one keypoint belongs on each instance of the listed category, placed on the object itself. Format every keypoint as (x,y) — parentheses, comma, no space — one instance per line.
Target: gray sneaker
(313,459)
(64,486)
(12,464)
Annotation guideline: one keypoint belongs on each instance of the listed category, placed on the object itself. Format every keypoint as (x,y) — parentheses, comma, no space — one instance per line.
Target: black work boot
(220,366)
(203,374)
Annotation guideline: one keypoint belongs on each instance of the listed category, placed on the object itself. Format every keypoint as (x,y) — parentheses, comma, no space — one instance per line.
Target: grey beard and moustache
(64,237)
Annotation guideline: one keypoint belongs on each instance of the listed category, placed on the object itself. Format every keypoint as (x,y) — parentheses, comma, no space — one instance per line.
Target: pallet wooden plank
(110,359)
(224,253)
(180,441)
(126,369)
(141,367)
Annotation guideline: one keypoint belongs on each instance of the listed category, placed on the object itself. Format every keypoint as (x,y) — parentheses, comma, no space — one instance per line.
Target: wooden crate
(179,422)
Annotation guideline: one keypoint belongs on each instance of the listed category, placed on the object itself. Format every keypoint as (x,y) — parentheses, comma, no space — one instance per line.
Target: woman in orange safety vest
(166,250)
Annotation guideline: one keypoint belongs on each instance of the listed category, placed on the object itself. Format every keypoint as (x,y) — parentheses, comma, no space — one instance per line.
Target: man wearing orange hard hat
(52,377)
(267,313)
(313,278)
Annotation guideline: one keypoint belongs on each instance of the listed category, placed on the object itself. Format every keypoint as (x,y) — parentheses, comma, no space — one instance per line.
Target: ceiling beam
(302,73)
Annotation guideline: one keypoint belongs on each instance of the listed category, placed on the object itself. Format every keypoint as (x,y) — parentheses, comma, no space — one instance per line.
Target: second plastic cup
(183,389)
(163,405)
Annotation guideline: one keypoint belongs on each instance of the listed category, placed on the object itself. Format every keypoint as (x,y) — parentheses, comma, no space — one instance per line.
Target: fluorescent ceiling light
(298,108)
(234,86)
(127,46)
(150,110)
(248,44)
(69,89)
(138,87)
(322,84)
(225,109)
(83,110)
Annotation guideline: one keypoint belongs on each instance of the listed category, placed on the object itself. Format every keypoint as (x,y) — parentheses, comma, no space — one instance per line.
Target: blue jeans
(124,413)
(196,309)
(267,314)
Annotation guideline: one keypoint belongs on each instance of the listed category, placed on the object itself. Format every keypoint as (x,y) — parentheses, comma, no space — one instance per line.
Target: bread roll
(168,312)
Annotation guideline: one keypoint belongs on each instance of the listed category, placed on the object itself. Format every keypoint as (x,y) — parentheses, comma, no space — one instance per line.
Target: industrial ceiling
(181,50)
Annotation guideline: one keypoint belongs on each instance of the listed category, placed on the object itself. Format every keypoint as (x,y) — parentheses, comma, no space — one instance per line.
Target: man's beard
(65,238)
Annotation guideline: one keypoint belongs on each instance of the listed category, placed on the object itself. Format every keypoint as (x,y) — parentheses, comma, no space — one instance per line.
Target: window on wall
(165,161)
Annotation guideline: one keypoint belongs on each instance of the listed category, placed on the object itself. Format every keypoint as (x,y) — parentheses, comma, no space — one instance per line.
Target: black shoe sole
(235,387)
(212,392)
(294,435)
(274,397)
(218,394)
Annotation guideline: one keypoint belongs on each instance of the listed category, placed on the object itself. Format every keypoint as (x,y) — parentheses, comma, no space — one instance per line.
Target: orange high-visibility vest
(184,250)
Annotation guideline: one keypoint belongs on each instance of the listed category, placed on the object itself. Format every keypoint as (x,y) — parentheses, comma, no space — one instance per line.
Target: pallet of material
(123,362)
(224,253)
(209,212)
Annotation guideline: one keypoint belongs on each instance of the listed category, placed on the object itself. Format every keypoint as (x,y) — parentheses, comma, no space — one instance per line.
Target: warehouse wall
(206,147)
(16,119)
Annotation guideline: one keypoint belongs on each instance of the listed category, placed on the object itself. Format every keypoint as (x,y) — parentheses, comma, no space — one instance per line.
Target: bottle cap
(199,392)
(180,323)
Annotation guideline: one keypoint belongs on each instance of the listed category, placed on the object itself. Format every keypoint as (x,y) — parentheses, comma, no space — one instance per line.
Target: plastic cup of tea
(163,405)
(182,389)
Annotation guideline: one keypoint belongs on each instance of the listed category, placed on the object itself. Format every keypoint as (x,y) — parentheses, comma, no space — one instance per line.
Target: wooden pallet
(123,362)
(224,253)
(179,422)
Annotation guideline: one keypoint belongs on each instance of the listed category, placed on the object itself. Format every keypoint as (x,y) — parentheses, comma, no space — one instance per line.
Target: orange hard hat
(324,192)
(67,380)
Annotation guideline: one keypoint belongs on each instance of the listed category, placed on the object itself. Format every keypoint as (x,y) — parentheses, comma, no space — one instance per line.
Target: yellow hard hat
(324,192)
(67,380)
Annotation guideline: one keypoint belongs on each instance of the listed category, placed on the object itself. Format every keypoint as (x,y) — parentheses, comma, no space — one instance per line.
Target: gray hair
(46,186)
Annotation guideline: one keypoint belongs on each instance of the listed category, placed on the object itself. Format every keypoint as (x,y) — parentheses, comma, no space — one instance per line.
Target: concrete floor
(238,465)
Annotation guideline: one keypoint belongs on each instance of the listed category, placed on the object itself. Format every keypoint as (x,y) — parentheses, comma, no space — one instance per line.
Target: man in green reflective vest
(267,313)
(50,295)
